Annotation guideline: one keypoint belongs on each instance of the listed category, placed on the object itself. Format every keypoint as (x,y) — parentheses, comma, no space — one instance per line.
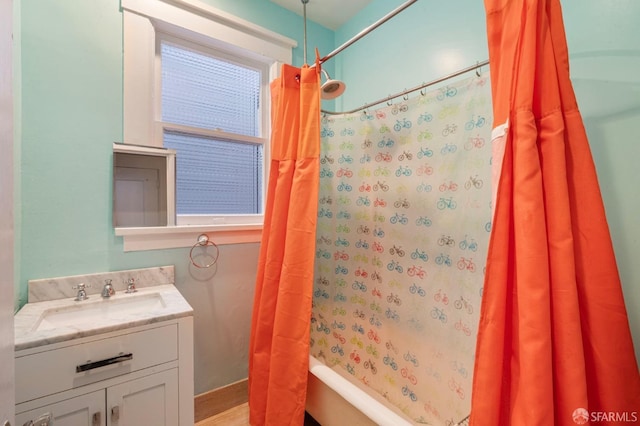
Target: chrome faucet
(82,292)
(131,286)
(108,290)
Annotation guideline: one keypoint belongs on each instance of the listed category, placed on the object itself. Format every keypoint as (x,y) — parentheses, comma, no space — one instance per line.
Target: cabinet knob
(115,413)
(95,419)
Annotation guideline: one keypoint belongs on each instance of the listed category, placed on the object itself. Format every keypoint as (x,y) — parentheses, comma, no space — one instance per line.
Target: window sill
(167,237)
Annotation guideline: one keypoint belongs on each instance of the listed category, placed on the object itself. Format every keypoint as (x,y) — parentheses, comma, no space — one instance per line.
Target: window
(196,81)
(211,116)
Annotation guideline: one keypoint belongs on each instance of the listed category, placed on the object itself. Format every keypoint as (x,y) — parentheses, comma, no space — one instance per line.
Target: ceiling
(328,13)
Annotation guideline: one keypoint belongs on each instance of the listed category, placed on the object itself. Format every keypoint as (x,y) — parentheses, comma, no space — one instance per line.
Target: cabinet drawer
(57,370)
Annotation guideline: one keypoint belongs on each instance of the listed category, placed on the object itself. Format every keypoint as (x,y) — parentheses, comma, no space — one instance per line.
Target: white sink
(58,320)
(96,309)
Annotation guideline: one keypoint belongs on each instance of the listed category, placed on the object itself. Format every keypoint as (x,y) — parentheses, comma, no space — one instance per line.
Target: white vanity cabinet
(134,376)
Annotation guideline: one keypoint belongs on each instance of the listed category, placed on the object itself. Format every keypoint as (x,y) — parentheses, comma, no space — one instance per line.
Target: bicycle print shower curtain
(403,224)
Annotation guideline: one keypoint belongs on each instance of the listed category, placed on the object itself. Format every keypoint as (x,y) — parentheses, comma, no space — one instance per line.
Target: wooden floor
(239,416)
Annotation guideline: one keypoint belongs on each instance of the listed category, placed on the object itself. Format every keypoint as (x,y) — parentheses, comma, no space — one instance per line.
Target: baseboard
(219,400)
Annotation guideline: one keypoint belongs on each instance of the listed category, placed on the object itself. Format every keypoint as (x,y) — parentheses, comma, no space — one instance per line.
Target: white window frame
(145,22)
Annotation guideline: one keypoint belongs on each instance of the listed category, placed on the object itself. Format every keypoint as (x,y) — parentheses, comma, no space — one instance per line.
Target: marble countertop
(26,321)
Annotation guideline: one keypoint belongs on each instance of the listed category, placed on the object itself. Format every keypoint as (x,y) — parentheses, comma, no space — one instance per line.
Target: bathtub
(336,400)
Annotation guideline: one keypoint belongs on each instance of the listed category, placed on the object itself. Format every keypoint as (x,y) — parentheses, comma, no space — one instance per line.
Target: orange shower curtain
(554,345)
(279,346)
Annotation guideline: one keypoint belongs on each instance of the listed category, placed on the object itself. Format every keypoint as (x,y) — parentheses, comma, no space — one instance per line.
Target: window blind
(213,176)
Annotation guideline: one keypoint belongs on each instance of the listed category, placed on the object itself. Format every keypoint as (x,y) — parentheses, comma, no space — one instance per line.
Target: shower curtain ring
(406,96)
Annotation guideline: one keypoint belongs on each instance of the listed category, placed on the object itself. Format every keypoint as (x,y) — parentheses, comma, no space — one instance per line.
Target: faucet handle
(131,286)
(108,290)
(82,292)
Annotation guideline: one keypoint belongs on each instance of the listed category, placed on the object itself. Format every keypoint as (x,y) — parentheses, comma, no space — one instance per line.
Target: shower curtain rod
(365,31)
(413,89)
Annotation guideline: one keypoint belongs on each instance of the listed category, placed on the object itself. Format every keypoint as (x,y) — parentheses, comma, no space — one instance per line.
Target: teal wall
(71,114)
(70,111)
(420,44)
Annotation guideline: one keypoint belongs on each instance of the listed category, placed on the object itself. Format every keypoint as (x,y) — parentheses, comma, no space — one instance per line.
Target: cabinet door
(151,400)
(83,410)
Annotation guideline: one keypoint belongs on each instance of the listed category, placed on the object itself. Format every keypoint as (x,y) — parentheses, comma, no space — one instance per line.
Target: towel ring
(204,241)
